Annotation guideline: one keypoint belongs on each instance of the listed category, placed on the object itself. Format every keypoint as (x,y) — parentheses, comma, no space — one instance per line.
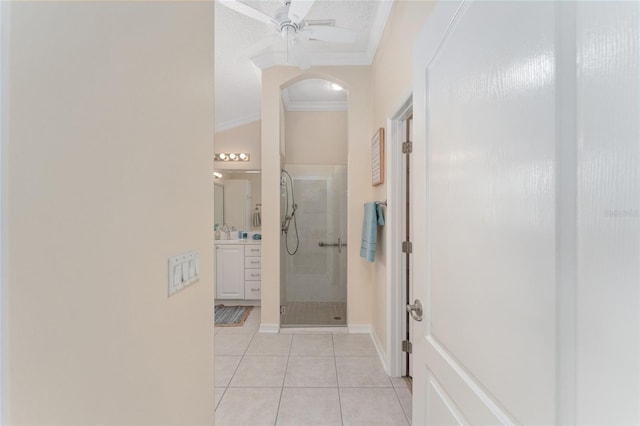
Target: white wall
(107,173)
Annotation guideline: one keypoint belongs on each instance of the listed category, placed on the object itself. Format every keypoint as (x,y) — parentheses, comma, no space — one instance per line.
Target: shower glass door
(314,279)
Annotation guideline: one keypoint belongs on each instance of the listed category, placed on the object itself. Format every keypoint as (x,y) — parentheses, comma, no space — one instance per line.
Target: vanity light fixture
(232,156)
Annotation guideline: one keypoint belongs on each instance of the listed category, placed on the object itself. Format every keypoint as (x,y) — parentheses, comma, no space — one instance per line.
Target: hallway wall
(391,76)
(105,108)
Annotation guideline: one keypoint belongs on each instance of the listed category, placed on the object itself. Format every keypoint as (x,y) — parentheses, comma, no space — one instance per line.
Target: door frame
(396,291)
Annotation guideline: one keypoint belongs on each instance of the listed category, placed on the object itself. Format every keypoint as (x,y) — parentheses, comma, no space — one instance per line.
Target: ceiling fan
(292,27)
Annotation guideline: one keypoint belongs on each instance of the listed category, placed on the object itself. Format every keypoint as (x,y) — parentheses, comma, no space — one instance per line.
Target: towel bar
(339,244)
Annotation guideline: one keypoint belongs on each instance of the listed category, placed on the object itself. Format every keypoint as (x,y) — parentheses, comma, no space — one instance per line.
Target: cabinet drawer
(252,274)
(253,250)
(252,290)
(252,262)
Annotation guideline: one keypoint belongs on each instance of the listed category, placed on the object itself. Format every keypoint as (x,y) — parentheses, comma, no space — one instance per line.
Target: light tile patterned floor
(303,380)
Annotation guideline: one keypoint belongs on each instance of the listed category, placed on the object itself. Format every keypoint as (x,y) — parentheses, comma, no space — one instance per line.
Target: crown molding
(377,29)
(316,106)
(271,59)
(226,125)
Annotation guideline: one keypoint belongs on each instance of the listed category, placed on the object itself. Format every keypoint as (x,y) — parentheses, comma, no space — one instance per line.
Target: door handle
(415,310)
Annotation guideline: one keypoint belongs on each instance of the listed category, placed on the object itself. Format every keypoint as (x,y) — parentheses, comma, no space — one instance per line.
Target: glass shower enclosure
(313,256)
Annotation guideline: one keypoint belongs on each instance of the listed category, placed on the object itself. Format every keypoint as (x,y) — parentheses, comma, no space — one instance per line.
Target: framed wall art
(377,158)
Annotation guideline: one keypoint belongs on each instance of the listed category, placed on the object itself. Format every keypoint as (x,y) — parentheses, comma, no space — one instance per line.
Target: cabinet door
(229,272)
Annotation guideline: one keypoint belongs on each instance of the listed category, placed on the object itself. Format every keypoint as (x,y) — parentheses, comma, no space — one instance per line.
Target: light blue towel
(372,219)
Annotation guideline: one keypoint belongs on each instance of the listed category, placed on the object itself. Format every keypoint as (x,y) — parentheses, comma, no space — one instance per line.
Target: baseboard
(314,330)
(381,352)
(237,302)
(269,328)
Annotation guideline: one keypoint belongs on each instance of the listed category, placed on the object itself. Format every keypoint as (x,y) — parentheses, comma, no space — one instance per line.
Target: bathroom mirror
(242,200)
(218,204)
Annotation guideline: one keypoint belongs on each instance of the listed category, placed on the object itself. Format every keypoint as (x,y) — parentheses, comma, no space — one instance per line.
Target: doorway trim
(396,293)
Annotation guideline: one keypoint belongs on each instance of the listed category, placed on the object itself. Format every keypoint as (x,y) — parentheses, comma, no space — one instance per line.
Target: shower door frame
(339,228)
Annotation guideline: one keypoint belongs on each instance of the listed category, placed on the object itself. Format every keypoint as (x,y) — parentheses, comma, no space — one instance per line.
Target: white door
(527,172)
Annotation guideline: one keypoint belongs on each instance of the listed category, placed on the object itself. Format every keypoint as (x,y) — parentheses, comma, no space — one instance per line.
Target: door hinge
(407,147)
(407,247)
(407,346)
(283,310)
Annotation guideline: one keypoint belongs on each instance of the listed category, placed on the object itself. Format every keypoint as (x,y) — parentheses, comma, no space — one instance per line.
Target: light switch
(192,269)
(184,270)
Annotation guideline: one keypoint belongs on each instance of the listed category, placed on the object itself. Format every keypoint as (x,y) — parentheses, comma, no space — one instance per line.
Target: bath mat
(231,316)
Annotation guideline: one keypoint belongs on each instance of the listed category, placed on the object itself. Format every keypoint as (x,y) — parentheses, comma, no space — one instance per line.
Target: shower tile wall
(317,274)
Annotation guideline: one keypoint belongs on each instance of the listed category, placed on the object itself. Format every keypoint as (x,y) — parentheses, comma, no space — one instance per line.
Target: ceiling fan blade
(258,47)
(330,34)
(247,11)
(298,9)
(302,58)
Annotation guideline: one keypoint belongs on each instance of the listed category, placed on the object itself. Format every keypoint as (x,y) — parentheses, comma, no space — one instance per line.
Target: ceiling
(237,79)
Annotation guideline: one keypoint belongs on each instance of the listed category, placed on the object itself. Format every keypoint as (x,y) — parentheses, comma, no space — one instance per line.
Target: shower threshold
(314,314)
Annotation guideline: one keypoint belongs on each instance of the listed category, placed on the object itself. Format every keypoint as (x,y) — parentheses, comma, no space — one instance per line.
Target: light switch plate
(184,270)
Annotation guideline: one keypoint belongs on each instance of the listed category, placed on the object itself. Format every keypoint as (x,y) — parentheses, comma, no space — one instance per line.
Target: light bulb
(233,157)
(243,156)
(223,157)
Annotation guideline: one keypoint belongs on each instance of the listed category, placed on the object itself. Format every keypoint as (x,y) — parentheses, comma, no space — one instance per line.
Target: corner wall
(105,108)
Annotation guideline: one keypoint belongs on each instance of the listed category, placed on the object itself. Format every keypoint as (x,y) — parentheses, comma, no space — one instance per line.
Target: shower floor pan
(314,314)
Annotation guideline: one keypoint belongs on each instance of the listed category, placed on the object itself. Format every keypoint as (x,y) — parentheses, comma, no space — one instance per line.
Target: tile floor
(303,380)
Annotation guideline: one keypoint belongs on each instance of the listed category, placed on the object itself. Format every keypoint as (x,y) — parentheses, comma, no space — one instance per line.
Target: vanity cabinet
(252,271)
(229,271)
(238,271)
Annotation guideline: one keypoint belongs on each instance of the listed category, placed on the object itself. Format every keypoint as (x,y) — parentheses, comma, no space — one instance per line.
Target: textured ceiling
(238,76)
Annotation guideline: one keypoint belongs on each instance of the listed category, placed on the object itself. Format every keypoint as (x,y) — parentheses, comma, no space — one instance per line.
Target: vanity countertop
(247,241)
